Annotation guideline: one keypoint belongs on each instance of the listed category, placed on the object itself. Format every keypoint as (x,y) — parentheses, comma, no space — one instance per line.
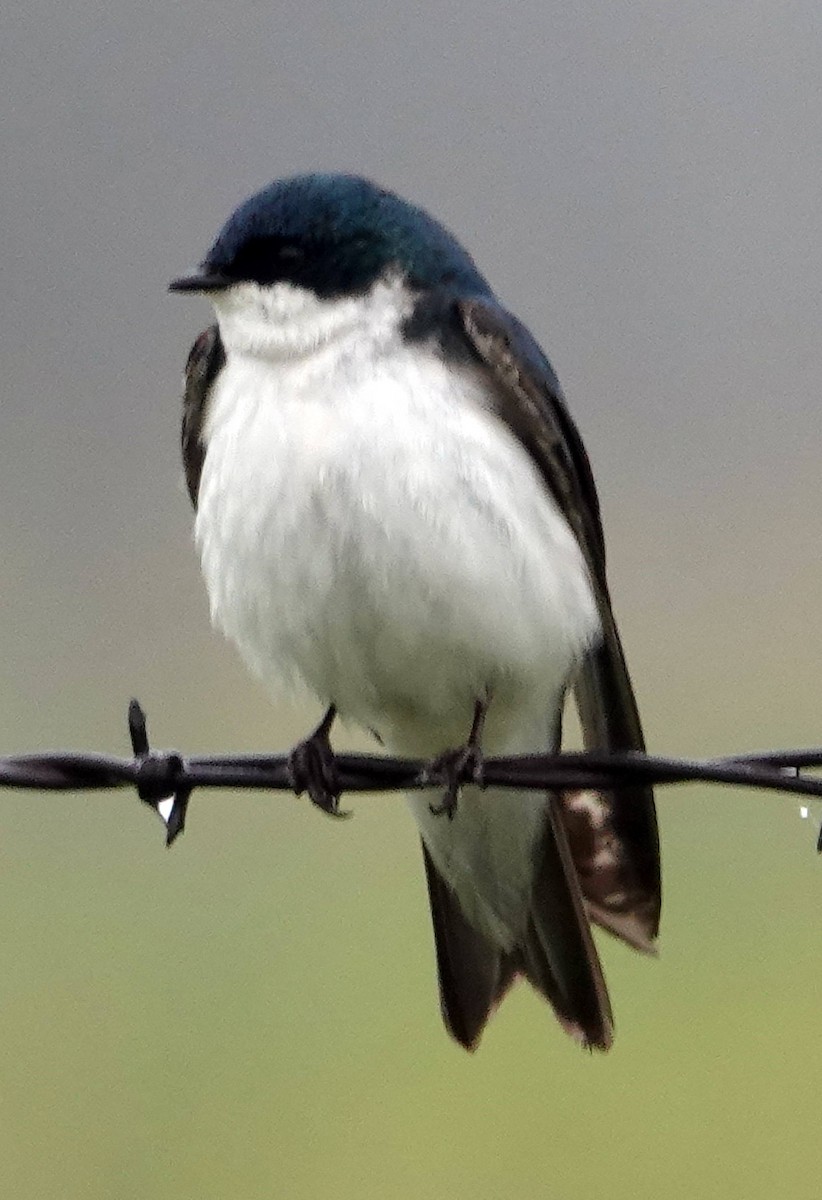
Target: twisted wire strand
(167,777)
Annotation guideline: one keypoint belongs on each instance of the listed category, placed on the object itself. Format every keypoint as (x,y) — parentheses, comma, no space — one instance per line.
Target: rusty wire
(165,779)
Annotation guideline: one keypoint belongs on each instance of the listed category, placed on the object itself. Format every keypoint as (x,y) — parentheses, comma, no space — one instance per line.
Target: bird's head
(333,236)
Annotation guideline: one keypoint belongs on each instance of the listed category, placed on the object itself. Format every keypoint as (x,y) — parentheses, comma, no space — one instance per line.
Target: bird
(395,514)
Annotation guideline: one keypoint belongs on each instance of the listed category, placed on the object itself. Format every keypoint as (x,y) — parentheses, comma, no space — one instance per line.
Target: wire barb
(164,780)
(158,776)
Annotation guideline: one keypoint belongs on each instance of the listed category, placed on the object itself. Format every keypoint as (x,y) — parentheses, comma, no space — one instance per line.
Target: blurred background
(254,1013)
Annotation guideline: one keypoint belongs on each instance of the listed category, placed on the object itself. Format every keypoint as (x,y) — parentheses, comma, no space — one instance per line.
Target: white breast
(377,536)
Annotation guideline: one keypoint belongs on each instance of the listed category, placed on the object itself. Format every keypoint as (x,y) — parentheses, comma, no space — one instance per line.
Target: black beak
(201,280)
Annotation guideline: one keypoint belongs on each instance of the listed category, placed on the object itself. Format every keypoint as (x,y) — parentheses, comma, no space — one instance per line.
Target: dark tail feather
(557,954)
(473,973)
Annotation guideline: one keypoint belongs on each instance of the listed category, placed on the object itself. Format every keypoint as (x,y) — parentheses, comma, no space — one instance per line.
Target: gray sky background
(641,182)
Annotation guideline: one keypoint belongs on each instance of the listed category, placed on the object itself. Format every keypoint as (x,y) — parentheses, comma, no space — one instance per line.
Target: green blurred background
(254,1014)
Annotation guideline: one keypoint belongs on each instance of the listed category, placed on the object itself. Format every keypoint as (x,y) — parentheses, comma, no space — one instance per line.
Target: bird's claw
(312,767)
(455,768)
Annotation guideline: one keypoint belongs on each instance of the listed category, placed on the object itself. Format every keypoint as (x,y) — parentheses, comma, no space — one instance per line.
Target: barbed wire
(165,779)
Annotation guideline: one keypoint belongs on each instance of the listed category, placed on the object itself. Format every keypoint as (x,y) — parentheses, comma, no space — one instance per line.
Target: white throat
(282,321)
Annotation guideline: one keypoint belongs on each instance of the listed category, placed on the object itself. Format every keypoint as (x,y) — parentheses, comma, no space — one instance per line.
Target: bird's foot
(313,768)
(454,768)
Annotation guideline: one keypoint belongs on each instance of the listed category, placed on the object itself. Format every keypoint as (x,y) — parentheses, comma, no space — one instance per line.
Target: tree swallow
(395,511)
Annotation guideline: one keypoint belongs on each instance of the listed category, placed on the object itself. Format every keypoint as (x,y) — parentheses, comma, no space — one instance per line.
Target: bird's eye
(290,253)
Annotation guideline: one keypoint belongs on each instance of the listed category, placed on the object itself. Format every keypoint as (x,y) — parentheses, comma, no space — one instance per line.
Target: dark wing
(613,836)
(204,362)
